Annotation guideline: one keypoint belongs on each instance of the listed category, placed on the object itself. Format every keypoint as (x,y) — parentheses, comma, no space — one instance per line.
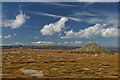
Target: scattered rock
(95,55)
(35,73)
(86,69)
(100,69)
(54,69)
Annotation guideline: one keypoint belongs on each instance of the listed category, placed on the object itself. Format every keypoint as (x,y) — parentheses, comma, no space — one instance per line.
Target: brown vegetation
(59,63)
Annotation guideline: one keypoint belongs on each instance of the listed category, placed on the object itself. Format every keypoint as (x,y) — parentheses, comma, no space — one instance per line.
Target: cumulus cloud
(93,31)
(86,33)
(20,19)
(53,28)
(109,32)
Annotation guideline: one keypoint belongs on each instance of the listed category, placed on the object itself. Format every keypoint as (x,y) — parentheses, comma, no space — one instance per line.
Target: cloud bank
(43,43)
(55,27)
(90,32)
(109,32)
(75,43)
(20,19)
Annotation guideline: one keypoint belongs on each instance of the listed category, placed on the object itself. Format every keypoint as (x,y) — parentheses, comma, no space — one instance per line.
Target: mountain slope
(92,47)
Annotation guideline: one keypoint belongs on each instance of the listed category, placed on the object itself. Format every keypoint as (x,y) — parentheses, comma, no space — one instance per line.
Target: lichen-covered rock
(36,73)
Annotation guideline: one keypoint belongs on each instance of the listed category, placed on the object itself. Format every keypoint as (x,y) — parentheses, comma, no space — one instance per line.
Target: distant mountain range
(62,47)
(92,46)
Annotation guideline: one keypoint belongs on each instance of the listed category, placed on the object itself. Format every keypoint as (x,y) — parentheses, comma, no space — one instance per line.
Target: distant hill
(92,47)
(61,47)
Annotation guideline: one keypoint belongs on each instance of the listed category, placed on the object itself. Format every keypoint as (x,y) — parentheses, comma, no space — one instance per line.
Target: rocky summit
(93,47)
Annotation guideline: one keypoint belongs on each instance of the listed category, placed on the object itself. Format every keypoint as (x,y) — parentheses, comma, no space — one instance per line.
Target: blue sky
(60,1)
(70,23)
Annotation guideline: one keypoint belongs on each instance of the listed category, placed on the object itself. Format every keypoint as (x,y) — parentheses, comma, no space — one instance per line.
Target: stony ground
(58,63)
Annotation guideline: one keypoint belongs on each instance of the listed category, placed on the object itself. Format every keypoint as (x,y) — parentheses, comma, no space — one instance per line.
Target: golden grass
(59,63)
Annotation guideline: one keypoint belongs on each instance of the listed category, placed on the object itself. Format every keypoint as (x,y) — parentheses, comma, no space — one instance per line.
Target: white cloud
(8,36)
(55,16)
(19,43)
(73,43)
(93,31)
(84,14)
(78,42)
(1,36)
(86,33)
(4,44)
(43,42)
(93,20)
(98,16)
(69,34)
(14,34)
(35,37)
(110,19)
(55,27)
(61,4)
(63,37)
(17,22)
(67,42)
(109,32)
